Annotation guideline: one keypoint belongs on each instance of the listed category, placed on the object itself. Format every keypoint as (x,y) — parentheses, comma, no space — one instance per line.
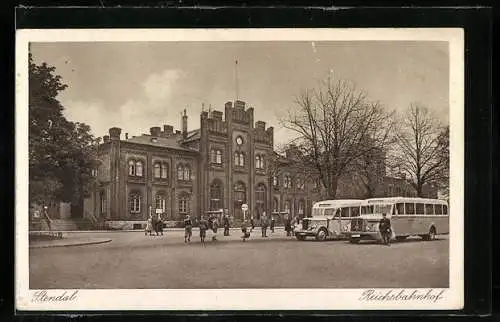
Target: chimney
(105,138)
(155,131)
(168,130)
(126,136)
(114,133)
(184,124)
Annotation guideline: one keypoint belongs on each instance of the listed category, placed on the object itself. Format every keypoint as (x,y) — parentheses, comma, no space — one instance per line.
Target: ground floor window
(103,202)
(216,196)
(161,202)
(135,202)
(183,203)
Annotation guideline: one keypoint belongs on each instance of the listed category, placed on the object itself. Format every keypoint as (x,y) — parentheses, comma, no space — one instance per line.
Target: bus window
(393,211)
(401,208)
(345,212)
(366,210)
(445,209)
(410,208)
(438,209)
(317,211)
(354,211)
(419,208)
(429,209)
(329,212)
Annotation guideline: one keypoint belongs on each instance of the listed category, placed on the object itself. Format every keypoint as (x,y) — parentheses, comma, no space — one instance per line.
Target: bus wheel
(321,235)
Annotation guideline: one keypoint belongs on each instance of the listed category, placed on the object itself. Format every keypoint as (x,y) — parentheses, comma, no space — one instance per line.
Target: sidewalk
(68,241)
(142,230)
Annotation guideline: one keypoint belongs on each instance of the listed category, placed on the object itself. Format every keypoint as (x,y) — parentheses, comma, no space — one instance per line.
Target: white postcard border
(243,299)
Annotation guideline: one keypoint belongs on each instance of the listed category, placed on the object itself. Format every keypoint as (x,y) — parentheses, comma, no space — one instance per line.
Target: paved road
(132,260)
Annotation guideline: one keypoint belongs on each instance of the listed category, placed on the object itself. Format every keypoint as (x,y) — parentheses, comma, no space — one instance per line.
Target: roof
(192,136)
(404,199)
(340,202)
(172,142)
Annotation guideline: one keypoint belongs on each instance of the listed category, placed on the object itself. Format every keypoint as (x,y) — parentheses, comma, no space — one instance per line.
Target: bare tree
(333,123)
(421,152)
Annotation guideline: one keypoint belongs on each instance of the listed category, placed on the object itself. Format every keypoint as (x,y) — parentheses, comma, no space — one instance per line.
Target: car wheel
(300,237)
(322,234)
(401,238)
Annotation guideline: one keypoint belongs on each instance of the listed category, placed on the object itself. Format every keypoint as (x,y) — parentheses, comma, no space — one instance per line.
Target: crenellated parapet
(214,123)
(238,114)
(263,135)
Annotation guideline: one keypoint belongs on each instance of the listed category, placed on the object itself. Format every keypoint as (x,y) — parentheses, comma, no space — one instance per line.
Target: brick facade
(227,162)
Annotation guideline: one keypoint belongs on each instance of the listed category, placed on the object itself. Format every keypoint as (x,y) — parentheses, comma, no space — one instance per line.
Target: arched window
(164,170)
(218,157)
(135,202)
(287,206)
(183,203)
(161,201)
(157,170)
(187,173)
(301,207)
(240,197)
(180,172)
(259,161)
(138,168)
(239,159)
(213,156)
(260,198)
(275,181)
(300,183)
(287,181)
(131,168)
(103,202)
(276,205)
(216,195)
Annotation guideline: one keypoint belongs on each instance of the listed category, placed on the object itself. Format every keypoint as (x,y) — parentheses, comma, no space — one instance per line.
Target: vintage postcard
(239,169)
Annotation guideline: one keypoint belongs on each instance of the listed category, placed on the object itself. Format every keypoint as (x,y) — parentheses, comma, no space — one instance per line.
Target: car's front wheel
(300,237)
(322,234)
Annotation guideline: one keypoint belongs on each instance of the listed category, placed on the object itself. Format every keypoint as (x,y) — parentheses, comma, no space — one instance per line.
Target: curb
(72,244)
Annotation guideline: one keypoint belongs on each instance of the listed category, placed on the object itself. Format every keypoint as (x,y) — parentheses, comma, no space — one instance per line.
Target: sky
(137,85)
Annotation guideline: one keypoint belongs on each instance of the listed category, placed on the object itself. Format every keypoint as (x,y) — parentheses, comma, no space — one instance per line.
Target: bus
(409,217)
(330,219)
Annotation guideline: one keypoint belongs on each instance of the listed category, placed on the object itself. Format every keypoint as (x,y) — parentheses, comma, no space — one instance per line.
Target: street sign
(244,207)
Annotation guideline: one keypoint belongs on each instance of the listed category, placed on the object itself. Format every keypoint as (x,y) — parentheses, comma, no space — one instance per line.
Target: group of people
(211,224)
(204,225)
(154,224)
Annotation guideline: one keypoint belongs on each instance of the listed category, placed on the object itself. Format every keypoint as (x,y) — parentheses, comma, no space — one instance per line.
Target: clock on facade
(239,140)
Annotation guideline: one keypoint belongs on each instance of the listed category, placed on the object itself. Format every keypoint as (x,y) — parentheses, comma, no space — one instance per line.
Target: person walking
(203,225)
(212,221)
(149,226)
(263,224)
(245,230)
(273,222)
(188,229)
(385,230)
(226,225)
(159,225)
(288,225)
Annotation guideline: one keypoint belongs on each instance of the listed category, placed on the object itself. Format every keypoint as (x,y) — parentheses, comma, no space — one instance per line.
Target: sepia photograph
(239,169)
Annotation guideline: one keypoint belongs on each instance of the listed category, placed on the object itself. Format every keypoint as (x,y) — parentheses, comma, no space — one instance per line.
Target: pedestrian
(263,224)
(203,225)
(226,225)
(288,225)
(252,223)
(188,229)
(47,218)
(385,230)
(273,220)
(159,225)
(246,232)
(149,226)
(214,227)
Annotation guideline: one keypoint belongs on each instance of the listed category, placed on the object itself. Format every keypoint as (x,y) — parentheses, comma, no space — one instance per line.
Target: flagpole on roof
(236,79)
